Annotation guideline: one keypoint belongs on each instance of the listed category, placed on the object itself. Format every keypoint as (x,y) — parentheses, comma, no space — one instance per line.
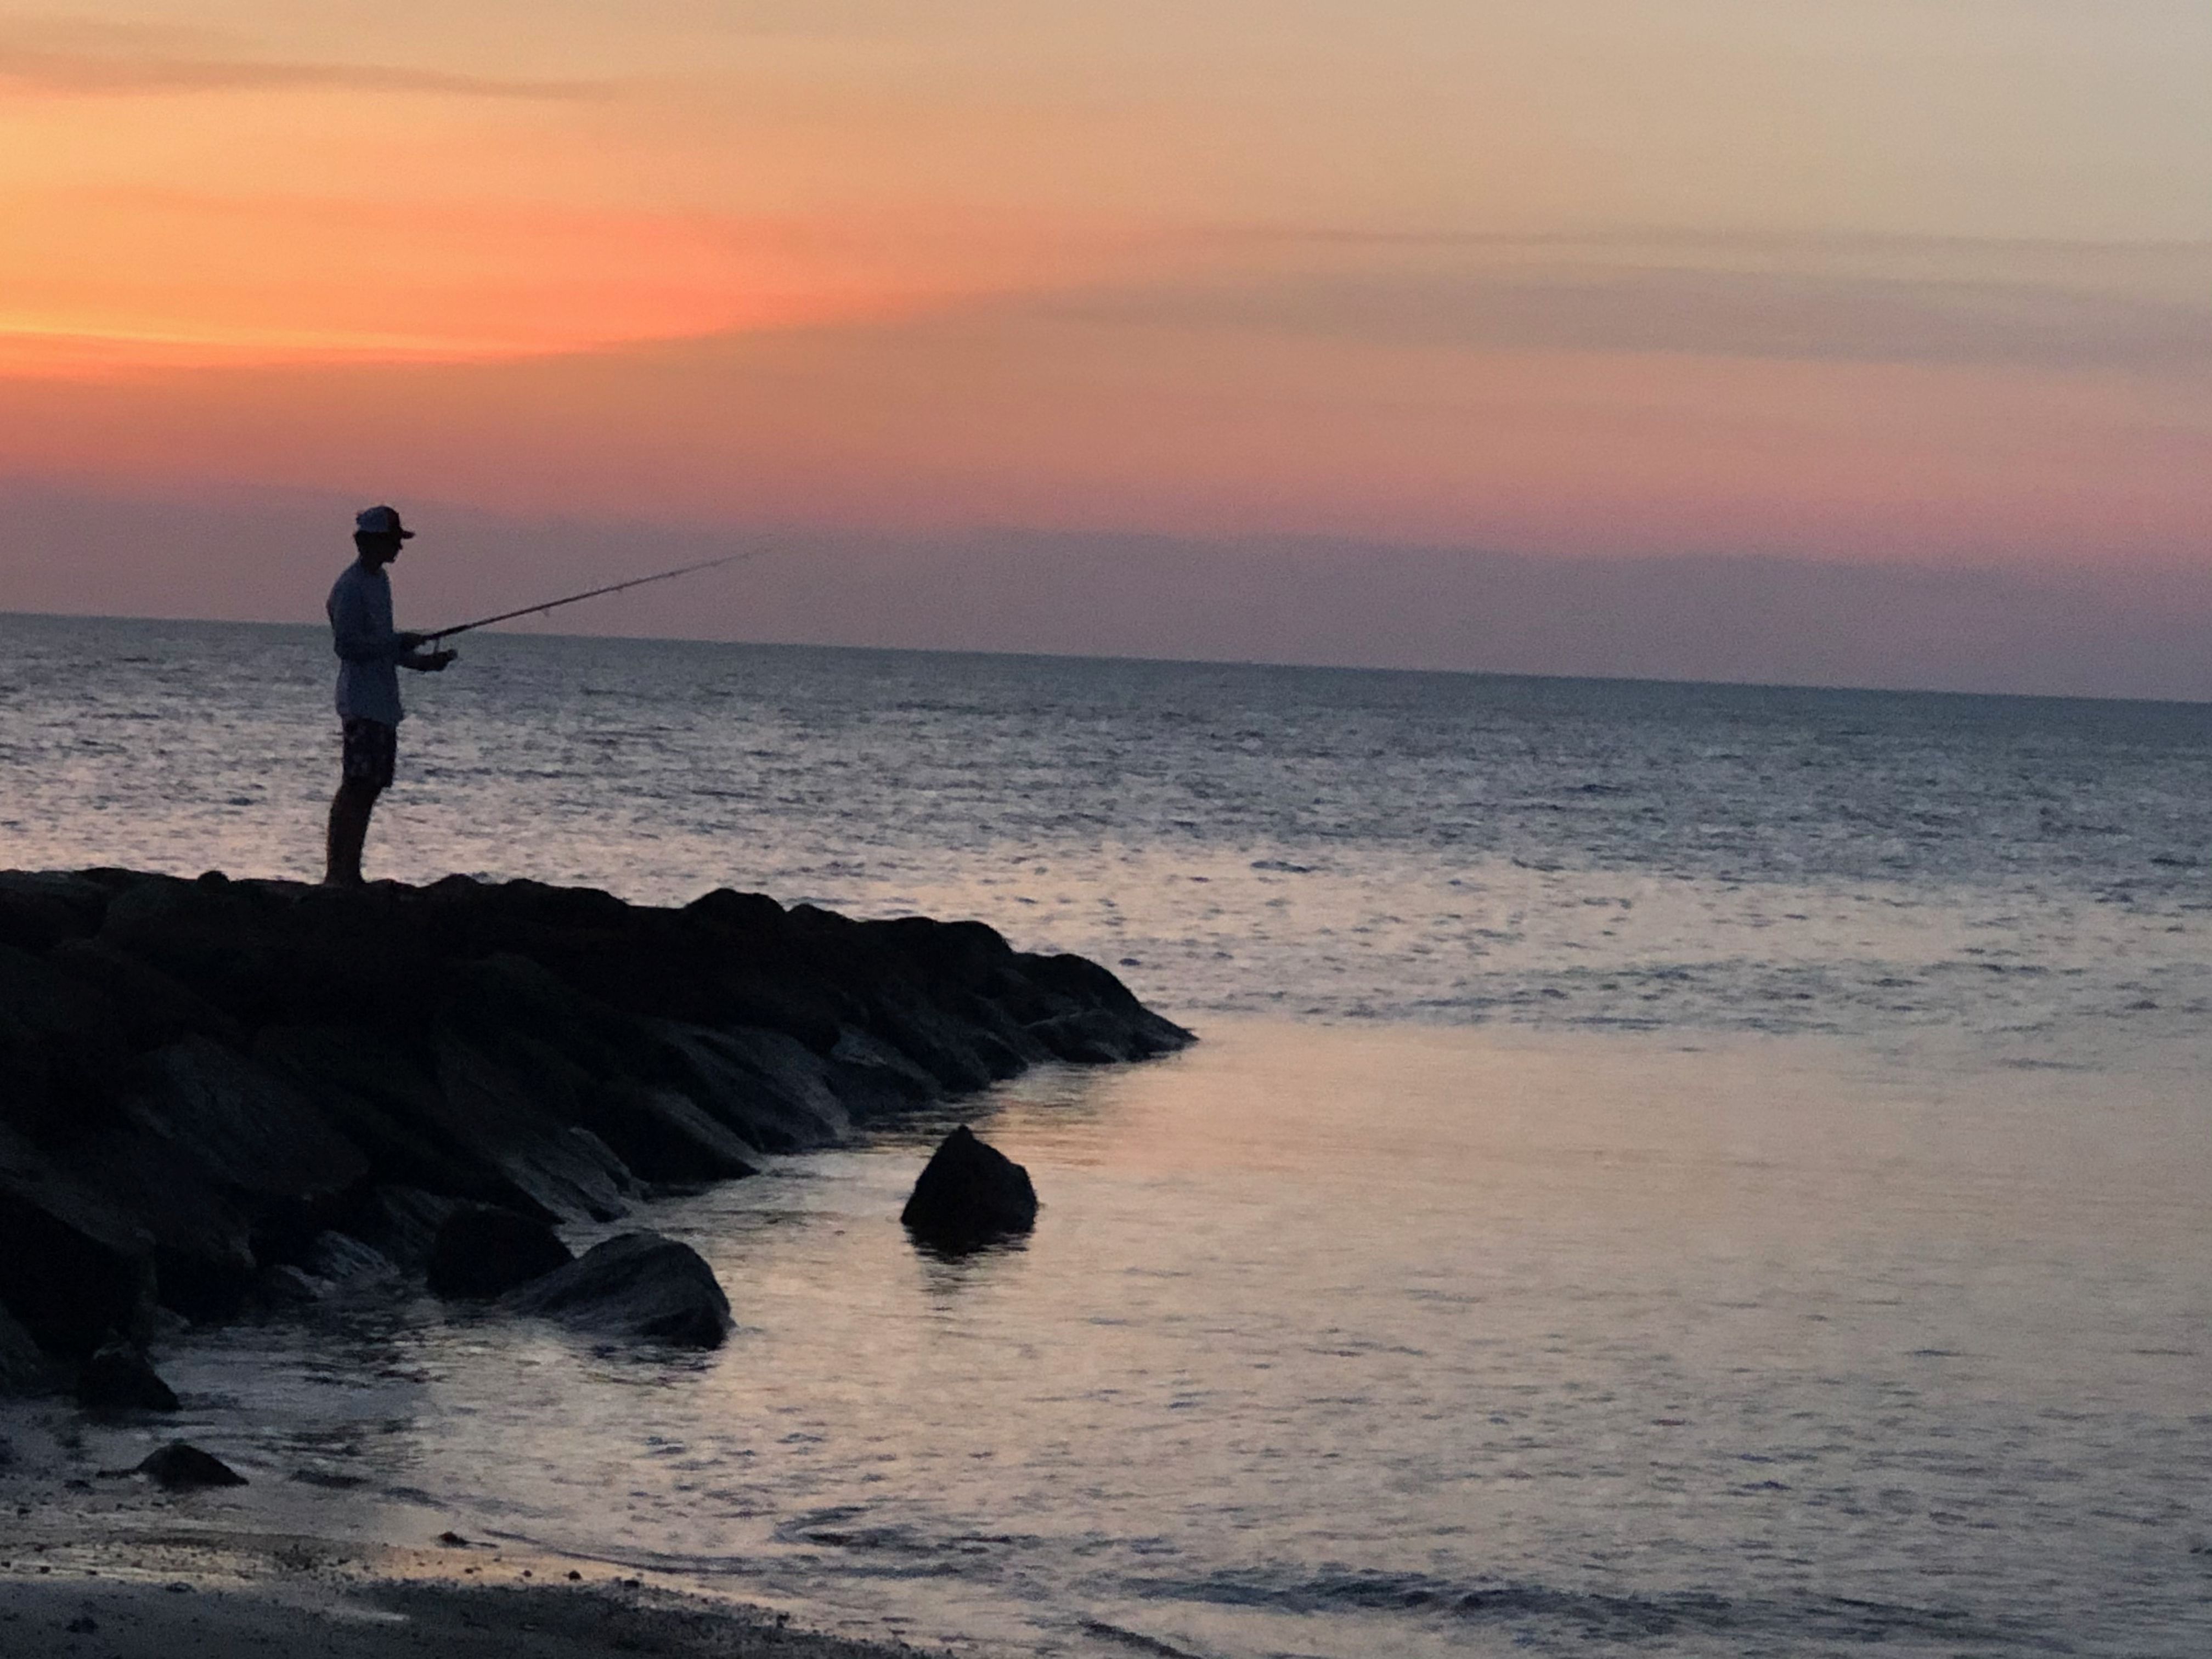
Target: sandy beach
(132,1575)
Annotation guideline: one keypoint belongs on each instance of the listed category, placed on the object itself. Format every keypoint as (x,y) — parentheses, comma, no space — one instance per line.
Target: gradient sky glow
(1895,282)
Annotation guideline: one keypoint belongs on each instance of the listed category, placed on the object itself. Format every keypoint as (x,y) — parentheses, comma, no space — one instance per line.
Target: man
(370,655)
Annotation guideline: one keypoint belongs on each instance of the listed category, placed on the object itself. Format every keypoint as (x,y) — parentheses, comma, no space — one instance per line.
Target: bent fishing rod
(596,592)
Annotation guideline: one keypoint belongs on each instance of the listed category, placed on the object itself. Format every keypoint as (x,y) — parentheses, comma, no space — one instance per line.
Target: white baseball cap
(381,521)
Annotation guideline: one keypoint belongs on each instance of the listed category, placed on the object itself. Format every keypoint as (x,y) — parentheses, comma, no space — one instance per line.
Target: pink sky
(1893,284)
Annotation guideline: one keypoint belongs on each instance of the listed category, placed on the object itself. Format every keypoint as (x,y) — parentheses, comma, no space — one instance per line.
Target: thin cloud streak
(1769,315)
(88,60)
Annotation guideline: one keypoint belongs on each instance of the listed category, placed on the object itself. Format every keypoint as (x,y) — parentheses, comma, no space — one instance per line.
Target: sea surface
(1668,1169)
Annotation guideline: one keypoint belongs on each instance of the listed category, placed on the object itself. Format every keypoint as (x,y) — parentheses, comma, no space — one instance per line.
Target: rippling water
(1674,1168)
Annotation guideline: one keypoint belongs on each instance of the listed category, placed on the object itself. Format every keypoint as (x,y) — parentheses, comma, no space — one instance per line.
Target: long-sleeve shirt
(368,648)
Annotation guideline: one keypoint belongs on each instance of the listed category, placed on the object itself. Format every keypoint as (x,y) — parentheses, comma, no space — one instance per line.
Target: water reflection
(1343,1342)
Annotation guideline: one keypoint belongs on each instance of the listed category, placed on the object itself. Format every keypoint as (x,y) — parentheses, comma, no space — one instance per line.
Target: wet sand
(110,1567)
(169,1598)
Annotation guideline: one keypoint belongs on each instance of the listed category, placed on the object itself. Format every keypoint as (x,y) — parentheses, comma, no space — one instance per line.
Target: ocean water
(1669,1169)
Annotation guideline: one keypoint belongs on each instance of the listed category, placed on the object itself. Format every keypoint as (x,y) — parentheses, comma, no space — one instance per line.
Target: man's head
(377,535)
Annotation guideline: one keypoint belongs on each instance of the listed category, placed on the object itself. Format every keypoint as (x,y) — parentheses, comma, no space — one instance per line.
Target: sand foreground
(157,1598)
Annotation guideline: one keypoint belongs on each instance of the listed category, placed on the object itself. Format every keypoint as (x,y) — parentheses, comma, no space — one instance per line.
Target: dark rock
(483,1252)
(966,954)
(274,952)
(874,1071)
(40,908)
(929,1035)
(287,1287)
(340,1259)
(156,1008)
(74,1266)
(640,1286)
(24,1367)
(403,1223)
(1090,1037)
(510,996)
(497,1119)
(69,1043)
(769,1089)
(387,1104)
(969,1194)
(252,1132)
(202,1247)
(116,1377)
(179,1466)
(1079,984)
(664,1136)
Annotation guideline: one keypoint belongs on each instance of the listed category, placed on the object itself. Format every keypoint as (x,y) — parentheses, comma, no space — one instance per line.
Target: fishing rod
(596,592)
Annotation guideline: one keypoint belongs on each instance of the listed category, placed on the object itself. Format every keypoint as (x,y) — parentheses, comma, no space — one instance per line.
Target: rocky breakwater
(216,1091)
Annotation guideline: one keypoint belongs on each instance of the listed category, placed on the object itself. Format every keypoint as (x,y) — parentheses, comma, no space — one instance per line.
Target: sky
(1730,325)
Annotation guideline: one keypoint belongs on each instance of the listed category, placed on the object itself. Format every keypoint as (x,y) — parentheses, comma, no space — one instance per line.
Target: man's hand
(436,661)
(409,642)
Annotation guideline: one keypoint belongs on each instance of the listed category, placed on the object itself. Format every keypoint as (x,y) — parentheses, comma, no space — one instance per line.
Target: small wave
(1135,1640)
(1593,1615)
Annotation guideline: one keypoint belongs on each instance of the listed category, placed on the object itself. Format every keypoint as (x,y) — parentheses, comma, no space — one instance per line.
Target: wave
(1593,1615)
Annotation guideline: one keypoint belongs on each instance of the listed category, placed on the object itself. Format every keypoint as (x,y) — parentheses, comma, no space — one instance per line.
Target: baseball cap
(381,521)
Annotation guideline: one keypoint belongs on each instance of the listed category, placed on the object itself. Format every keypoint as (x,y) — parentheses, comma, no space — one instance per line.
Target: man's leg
(366,771)
(348,831)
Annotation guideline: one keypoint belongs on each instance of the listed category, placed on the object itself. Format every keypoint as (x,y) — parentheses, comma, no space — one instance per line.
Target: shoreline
(351,1605)
(100,1562)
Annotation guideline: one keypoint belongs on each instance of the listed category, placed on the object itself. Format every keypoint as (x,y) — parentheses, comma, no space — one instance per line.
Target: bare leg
(348,831)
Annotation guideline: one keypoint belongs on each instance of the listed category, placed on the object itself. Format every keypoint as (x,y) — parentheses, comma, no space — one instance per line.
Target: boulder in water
(637,1285)
(482,1251)
(969,1194)
(179,1465)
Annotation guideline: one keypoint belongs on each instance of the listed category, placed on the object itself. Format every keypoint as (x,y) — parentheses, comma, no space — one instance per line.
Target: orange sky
(1886,281)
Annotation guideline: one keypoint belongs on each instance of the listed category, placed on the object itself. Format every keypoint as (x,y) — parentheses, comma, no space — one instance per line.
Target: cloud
(83,60)
(1799,316)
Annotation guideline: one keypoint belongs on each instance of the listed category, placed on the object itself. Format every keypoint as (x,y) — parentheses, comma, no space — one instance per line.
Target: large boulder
(386,1103)
(64,1054)
(663,1135)
(39,909)
(569,1175)
(119,1378)
(155,1007)
(969,1195)
(483,1252)
(24,1367)
(252,1132)
(768,1089)
(403,1223)
(74,1267)
(638,1286)
(203,1245)
(179,1466)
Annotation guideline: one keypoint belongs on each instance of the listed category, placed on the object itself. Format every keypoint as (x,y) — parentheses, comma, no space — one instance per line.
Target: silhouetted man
(370,655)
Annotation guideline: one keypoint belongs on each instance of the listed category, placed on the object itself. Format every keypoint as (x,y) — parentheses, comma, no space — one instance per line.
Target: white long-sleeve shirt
(367,645)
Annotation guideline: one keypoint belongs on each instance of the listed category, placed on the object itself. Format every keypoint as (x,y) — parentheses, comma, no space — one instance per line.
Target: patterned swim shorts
(371,749)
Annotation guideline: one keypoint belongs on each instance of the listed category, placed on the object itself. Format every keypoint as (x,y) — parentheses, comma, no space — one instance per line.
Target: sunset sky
(1905,283)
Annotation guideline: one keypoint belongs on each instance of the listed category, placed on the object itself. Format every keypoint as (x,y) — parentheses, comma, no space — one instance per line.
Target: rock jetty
(214,1092)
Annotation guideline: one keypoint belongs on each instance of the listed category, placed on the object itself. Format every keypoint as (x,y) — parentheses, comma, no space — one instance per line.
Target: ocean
(1669,1169)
